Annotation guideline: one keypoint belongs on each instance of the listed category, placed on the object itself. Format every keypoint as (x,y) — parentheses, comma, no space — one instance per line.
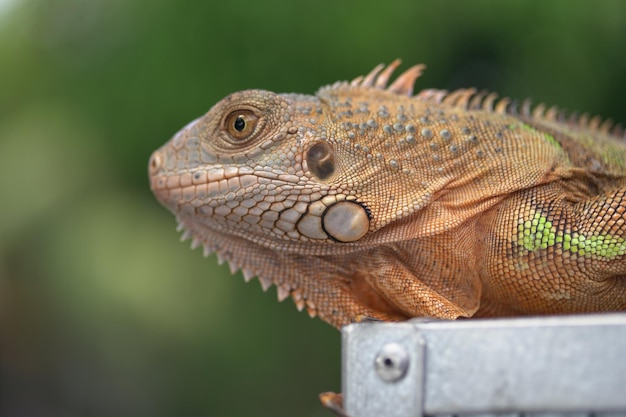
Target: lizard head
(261,166)
(292,171)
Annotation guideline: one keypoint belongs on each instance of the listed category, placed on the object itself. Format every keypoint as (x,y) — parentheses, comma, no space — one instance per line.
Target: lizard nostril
(155,163)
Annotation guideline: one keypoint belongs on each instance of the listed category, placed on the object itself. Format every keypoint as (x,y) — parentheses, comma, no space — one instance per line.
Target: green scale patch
(540,233)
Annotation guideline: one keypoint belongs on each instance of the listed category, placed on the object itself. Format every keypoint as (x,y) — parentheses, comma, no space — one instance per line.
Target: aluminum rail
(545,366)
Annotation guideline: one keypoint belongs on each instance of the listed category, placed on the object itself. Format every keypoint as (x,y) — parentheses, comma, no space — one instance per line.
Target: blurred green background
(103,312)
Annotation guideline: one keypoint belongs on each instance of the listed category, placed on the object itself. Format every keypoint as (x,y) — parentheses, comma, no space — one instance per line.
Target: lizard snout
(158,179)
(155,164)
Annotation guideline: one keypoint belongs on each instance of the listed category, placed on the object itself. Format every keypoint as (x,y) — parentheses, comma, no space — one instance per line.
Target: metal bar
(565,364)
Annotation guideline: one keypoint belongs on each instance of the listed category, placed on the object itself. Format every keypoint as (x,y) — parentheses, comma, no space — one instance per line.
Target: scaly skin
(367,201)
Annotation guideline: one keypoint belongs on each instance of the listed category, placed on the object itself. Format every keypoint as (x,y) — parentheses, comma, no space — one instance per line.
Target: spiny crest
(470,99)
(379,80)
(402,85)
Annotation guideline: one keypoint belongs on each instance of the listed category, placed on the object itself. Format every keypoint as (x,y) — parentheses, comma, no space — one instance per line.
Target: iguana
(365,200)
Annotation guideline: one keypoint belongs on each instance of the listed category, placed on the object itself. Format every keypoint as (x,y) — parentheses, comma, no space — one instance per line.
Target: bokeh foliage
(102,311)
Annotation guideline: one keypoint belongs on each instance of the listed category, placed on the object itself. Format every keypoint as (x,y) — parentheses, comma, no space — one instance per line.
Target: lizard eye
(241,124)
(320,160)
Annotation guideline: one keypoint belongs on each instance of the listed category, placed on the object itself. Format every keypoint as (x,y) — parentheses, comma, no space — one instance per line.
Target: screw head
(392,362)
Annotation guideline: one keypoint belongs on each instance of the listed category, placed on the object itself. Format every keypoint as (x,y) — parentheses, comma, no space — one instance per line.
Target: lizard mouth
(228,197)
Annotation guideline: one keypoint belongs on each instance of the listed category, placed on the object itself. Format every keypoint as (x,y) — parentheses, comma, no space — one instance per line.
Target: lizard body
(367,200)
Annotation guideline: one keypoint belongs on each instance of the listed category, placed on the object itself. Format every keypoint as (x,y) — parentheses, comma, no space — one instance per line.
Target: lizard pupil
(240,124)
(321,160)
